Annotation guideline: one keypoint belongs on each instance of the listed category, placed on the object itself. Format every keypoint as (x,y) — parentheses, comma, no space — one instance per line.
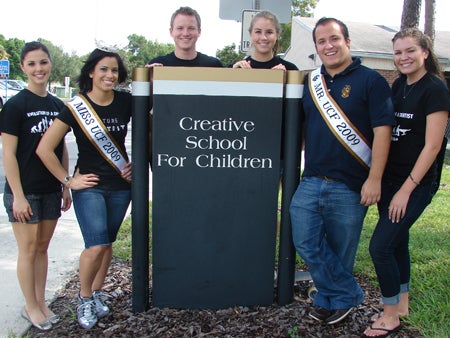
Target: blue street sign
(4,67)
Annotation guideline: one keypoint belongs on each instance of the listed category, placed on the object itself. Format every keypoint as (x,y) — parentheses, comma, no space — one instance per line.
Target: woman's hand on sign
(279,66)
(151,65)
(242,64)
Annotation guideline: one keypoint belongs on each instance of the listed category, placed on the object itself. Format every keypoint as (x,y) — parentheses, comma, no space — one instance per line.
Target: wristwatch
(66,180)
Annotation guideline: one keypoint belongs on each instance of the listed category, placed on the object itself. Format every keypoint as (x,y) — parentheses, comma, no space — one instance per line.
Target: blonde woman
(264,32)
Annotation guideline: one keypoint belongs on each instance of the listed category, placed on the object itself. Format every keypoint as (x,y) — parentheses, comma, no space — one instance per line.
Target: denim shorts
(100,214)
(44,206)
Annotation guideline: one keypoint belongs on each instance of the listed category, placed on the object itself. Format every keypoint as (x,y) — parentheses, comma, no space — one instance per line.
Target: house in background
(373,43)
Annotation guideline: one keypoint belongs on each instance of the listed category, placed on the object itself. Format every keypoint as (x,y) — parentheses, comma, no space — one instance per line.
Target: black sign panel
(216,170)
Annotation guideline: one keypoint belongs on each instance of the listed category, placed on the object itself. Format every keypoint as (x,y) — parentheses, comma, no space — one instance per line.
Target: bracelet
(414,181)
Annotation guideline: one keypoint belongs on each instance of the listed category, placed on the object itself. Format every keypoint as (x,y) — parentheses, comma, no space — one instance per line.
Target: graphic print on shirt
(45,122)
(113,124)
(397,130)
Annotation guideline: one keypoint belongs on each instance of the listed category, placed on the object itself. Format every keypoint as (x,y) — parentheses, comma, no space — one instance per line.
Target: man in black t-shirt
(185,29)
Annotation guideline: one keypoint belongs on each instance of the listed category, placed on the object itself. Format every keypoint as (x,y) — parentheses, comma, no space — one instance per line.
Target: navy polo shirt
(365,97)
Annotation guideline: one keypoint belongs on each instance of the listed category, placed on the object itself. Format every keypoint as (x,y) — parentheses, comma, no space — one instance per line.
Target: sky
(76,25)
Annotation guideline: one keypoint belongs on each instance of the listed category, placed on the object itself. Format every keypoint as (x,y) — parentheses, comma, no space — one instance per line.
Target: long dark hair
(424,41)
(85,81)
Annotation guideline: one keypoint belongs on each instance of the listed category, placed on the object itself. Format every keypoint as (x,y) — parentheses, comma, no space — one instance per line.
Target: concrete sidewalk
(64,251)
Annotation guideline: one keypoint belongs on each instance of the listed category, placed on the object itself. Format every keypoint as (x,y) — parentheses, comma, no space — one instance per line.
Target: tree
(229,55)
(430,11)
(303,8)
(13,48)
(411,13)
(140,51)
(63,64)
(3,54)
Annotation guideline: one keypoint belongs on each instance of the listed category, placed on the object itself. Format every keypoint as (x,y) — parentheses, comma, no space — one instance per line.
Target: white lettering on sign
(225,135)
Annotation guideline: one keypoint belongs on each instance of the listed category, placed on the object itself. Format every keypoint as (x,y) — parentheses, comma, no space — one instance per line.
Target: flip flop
(388,332)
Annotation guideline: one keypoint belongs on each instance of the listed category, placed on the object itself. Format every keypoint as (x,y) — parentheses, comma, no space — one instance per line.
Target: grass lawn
(430,260)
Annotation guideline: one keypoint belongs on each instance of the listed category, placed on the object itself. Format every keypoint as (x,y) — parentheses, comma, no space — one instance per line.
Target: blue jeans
(389,246)
(327,220)
(100,214)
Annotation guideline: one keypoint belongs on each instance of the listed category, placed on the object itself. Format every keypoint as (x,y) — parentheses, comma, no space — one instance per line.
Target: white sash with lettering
(97,132)
(339,124)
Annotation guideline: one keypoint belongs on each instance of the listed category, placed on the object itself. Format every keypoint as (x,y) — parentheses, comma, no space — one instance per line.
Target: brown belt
(328,179)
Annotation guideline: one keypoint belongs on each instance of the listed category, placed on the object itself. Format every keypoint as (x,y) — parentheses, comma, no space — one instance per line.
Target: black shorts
(44,206)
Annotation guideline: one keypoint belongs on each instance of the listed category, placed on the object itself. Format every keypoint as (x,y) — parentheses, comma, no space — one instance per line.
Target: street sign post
(4,67)
(232,9)
(246,42)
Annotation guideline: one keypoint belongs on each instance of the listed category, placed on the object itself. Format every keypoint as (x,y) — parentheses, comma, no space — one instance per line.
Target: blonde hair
(271,17)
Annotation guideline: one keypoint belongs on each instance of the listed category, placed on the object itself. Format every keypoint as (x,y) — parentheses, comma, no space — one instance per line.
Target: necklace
(411,87)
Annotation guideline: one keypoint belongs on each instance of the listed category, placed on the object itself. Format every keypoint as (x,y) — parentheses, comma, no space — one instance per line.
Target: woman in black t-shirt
(264,32)
(32,195)
(101,183)
(422,104)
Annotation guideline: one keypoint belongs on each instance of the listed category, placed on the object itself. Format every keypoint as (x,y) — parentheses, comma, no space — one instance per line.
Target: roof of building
(369,41)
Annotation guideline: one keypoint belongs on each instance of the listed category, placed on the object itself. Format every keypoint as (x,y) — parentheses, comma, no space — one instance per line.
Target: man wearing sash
(348,116)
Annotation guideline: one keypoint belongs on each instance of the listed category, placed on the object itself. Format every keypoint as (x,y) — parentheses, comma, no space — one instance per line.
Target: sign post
(4,68)
(4,73)
(246,42)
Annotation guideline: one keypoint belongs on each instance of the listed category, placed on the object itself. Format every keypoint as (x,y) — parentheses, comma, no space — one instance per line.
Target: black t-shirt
(27,116)
(115,117)
(427,96)
(201,60)
(276,60)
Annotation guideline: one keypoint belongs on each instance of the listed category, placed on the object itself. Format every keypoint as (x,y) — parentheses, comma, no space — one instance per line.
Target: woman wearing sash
(98,117)
(32,195)
(422,104)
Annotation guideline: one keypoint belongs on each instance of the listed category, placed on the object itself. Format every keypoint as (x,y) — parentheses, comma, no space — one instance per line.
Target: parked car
(14,84)
(18,84)
(6,94)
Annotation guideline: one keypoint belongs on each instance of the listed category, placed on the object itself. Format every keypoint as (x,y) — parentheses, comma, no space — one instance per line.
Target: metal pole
(290,180)
(139,188)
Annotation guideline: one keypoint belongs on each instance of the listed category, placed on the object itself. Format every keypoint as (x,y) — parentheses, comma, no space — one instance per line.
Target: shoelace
(102,296)
(87,308)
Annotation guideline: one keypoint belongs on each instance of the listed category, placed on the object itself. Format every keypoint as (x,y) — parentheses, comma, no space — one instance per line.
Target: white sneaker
(101,309)
(86,312)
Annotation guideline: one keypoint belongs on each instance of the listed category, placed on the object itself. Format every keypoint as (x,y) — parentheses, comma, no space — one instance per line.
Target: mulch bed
(273,321)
